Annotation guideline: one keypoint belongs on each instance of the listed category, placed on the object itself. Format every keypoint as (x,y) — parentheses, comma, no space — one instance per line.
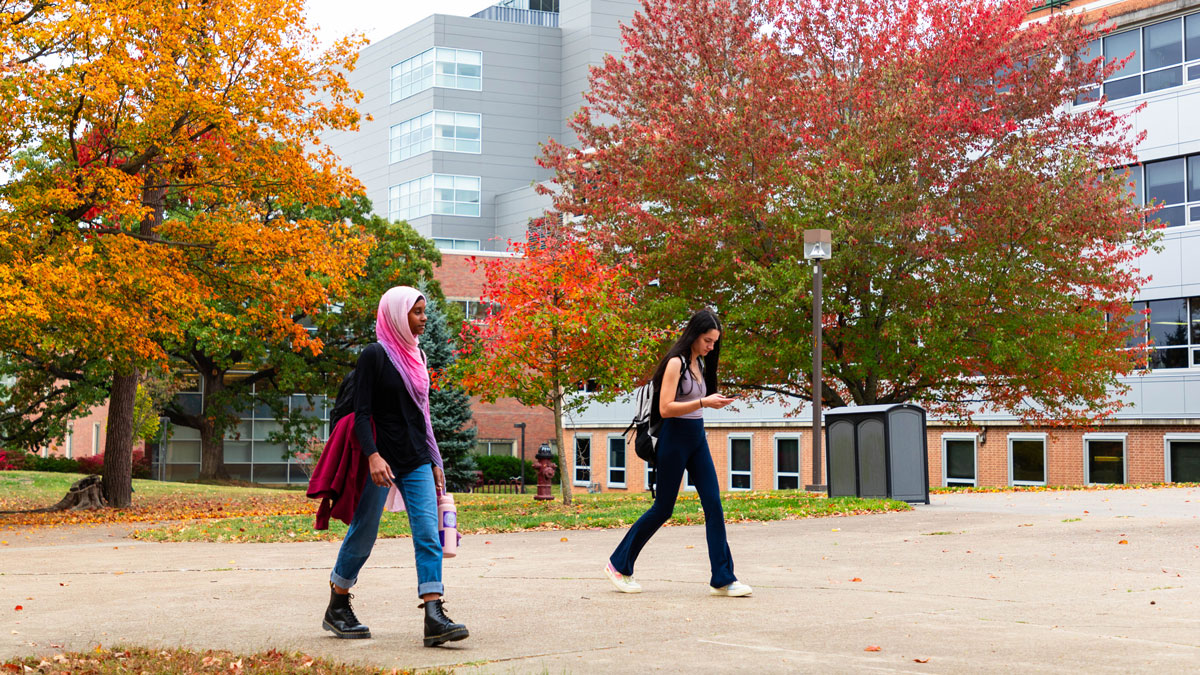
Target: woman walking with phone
(685,383)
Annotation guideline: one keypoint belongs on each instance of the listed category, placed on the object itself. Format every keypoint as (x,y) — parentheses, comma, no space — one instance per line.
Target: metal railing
(529,17)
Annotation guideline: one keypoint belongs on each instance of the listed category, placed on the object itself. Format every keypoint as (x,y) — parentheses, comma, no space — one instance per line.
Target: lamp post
(521,426)
(818,246)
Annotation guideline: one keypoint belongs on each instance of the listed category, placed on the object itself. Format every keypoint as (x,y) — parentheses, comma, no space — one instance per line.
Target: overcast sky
(378,19)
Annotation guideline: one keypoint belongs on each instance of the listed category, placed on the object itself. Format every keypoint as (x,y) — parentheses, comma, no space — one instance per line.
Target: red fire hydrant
(545,472)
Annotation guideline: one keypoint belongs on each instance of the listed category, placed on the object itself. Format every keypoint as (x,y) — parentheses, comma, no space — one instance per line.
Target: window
(1027,459)
(437,67)
(1182,458)
(583,460)
(739,462)
(475,310)
(1160,56)
(1173,327)
(437,130)
(651,475)
(616,461)
(1104,458)
(438,193)
(69,442)
(787,462)
(958,459)
(456,244)
(503,447)
(1172,183)
(96,438)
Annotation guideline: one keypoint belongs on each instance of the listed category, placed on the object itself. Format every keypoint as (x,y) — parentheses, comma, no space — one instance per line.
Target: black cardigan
(380,395)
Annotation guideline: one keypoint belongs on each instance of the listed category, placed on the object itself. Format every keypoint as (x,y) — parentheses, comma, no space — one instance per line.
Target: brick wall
(1144,453)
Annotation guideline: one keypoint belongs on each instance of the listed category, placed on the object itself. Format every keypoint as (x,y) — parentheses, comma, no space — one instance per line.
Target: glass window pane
(787,455)
(740,481)
(1164,44)
(1170,357)
(1118,89)
(1165,181)
(1169,322)
(1170,217)
(1195,303)
(616,452)
(466,120)
(465,70)
(1191,30)
(444,80)
(1029,461)
(443,181)
(1121,45)
(269,452)
(468,210)
(443,208)
(1162,79)
(1106,461)
(739,454)
(1131,177)
(960,459)
(469,57)
(467,146)
(1193,170)
(1185,460)
(789,483)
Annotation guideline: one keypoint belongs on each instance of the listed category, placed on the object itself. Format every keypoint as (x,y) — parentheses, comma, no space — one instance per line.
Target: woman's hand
(439,480)
(715,401)
(381,473)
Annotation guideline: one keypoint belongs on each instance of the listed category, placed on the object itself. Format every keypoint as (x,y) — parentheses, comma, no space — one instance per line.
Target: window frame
(575,468)
(730,472)
(1187,66)
(1107,436)
(608,465)
(396,146)
(1183,437)
(430,208)
(791,436)
(1028,436)
(972,436)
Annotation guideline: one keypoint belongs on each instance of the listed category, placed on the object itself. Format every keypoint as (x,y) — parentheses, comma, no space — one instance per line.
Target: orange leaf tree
(151,147)
(560,319)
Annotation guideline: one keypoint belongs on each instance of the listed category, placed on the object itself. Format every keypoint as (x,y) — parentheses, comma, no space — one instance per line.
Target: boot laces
(350,609)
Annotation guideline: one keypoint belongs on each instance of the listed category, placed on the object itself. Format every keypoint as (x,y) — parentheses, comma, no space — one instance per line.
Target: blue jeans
(420,501)
(682,445)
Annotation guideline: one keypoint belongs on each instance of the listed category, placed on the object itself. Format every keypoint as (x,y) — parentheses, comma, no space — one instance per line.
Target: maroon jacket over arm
(338,478)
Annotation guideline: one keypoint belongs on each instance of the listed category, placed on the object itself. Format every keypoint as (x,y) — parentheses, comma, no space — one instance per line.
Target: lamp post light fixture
(521,426)
(818,246)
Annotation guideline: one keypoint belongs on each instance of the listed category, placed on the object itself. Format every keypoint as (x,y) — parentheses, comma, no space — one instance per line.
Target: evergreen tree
(449,406)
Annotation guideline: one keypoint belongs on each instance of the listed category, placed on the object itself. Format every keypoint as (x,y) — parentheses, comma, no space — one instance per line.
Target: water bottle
(448,525)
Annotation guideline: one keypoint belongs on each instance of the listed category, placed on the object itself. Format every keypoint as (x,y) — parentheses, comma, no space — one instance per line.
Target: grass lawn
(194,512)
(142,660)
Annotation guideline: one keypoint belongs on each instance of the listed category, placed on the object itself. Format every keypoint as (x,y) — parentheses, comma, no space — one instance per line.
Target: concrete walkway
(1033,582)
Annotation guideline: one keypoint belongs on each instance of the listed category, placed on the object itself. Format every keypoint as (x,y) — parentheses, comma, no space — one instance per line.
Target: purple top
(691,389)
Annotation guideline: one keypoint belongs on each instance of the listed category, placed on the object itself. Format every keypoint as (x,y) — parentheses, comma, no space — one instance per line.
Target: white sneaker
(623,583)
(735,590)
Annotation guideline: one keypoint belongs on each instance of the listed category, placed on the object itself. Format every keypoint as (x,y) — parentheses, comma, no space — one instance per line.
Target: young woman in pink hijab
(392,425)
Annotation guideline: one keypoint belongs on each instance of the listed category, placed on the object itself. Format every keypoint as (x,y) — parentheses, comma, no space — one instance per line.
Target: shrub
(506,467)
(12,460)
(52,464)
(95,464)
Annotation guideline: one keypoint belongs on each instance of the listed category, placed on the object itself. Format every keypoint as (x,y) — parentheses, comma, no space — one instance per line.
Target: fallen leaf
(18,608)
(856,579)
(924,660)
(563,539)
(1123,541)
(873,648)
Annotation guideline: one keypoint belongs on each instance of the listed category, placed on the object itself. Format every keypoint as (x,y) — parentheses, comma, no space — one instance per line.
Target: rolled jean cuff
(430,587)
(342,582)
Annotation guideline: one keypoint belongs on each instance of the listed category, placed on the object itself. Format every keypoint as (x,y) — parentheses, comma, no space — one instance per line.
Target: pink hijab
(393,332)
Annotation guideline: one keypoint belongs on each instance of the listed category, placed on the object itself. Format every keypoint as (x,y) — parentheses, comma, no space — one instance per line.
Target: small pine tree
(449,407)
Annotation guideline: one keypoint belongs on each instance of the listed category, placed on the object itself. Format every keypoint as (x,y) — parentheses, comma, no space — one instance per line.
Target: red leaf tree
(981,243)
(560,319)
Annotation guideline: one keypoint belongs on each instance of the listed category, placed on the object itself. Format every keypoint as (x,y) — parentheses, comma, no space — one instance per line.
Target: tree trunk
(212,441)
(563,478)
(118,441)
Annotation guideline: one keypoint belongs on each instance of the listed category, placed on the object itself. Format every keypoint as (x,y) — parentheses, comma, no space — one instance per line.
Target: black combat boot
(438,627)
(340,619)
